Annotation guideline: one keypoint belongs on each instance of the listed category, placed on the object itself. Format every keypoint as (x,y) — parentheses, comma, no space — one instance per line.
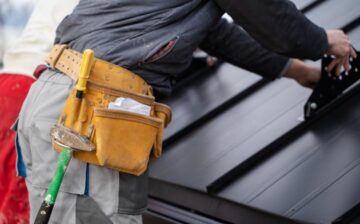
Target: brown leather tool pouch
(124,140)
(163,112)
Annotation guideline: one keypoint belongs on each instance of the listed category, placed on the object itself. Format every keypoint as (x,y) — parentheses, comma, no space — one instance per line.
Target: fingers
(347,63)
(334,63)
(340,65)
(339,47)
(339,44)
(337,64)
(353,53)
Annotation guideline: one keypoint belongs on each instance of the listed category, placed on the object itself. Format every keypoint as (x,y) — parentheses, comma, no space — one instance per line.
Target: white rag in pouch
(130,105)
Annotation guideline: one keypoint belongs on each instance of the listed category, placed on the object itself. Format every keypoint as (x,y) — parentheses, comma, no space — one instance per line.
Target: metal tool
(70,141)
(331,86)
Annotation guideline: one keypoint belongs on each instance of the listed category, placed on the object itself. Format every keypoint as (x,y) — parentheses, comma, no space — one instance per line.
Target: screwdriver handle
(85,68)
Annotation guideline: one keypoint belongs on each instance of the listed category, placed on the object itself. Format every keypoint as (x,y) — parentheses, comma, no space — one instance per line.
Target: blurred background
(13,17)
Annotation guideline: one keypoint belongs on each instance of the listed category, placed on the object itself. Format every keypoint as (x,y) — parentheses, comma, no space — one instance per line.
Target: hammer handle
(44,213)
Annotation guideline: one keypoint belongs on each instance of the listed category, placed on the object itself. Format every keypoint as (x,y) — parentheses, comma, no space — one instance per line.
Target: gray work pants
(89,193)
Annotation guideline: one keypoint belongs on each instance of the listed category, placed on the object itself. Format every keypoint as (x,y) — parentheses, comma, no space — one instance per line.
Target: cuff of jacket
(318,46)
(285,68)
(275,68)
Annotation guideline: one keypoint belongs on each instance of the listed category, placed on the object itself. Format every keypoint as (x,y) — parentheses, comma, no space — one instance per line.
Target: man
(16,78)
(154,39)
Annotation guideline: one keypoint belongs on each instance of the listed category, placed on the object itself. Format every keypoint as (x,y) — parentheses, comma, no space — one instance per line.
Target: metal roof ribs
(274,146)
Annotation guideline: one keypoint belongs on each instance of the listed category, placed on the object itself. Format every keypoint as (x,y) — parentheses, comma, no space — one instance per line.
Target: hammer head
(67,137)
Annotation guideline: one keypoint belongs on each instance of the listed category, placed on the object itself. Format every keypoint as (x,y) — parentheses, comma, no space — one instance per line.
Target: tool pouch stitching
(124,141)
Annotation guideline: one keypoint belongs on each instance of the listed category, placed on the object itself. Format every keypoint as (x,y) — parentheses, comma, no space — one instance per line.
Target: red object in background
(14,205)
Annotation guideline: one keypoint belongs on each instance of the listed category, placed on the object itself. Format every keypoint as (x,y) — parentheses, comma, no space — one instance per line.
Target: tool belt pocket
(123,140)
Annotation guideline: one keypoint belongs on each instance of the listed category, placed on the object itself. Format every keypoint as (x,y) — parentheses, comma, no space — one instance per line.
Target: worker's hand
(339,47)
(306,75)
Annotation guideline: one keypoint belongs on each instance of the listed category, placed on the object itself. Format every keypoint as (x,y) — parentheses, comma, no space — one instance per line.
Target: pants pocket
(41,152)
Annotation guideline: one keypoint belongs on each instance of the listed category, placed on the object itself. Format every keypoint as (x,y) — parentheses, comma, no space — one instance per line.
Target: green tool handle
(47,206)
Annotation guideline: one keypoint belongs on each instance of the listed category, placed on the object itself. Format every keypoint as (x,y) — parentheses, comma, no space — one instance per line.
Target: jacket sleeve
(279,26)
(231,43)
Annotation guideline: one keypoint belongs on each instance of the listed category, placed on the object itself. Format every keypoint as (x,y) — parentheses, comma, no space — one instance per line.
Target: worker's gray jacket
(278,26)
(129,33)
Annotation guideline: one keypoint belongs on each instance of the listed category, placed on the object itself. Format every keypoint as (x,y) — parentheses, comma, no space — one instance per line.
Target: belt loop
(39,70)
(55,54)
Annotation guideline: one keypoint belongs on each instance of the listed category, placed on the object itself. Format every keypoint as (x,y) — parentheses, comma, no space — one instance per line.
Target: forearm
(278,26)
(305,74)
(296,68)
(232,44)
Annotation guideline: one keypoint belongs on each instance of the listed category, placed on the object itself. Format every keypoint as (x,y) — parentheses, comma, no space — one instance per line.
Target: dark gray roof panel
(262,177)
(204,95)
(227,140)
(335,200)
(300,176)
(328,160)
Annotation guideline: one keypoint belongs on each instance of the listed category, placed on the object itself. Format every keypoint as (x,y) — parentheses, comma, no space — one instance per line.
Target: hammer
(70,141)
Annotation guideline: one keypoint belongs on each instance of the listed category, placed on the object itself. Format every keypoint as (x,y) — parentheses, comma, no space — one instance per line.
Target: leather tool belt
(124,141)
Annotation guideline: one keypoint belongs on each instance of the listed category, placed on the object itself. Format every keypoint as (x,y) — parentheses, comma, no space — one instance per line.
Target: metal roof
(238,151)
